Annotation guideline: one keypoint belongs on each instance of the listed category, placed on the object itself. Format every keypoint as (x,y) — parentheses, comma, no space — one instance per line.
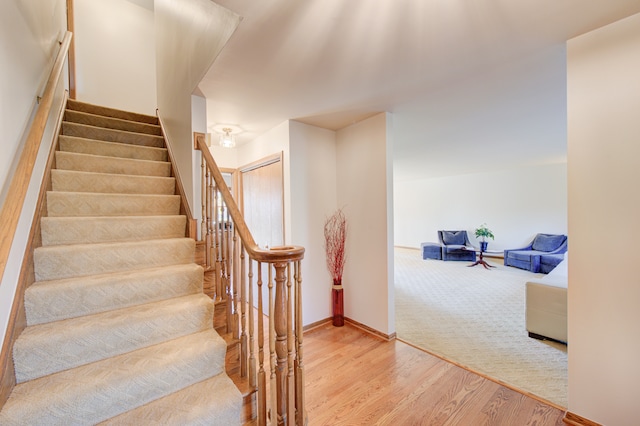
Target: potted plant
(483,233)
(335,233)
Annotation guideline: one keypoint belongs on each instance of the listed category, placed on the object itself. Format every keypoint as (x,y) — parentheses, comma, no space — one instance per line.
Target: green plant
(483,232)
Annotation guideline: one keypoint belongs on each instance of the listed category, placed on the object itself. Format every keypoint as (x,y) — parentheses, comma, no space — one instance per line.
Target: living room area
(489,150)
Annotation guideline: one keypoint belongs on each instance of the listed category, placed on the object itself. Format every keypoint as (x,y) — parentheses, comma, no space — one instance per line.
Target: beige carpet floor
(476,317)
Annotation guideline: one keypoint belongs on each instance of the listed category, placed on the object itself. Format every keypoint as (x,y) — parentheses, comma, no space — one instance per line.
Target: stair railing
(12,206)
(238,263)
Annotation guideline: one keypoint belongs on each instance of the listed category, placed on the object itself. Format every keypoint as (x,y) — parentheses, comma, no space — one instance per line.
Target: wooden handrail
(274,254)
(13,203)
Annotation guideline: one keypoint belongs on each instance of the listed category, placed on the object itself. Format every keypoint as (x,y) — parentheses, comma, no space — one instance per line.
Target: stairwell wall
(189,36)
(30,33)
(115,54)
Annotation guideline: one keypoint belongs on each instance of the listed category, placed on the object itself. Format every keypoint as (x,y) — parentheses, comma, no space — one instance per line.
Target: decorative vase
(337,304)
(483,245)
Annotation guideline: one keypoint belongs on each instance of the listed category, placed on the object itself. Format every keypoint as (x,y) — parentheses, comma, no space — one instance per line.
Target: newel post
(280,310)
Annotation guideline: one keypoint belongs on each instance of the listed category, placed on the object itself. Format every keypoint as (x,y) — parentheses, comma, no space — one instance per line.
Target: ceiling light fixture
(227,140)
(227,132)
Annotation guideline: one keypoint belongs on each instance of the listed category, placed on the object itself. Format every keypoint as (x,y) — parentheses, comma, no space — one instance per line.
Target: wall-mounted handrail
(14,201)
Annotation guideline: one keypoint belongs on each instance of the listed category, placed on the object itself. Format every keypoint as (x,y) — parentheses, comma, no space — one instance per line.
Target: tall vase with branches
(335,233)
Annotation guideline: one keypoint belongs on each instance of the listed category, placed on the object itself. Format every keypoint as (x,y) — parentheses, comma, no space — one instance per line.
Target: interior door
(263,209)
(263,200)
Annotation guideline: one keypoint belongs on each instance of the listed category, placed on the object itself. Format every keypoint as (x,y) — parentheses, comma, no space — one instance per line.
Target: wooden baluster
(226,268)
(279,330)
(300,399)
(246,357)
(217,237)
(273,402)
(290,400)
(262,378)
(235,283)
(212,251)
(204,173)
(208,242)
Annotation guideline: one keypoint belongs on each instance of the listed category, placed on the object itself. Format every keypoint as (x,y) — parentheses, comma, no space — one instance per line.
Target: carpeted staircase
(118,329)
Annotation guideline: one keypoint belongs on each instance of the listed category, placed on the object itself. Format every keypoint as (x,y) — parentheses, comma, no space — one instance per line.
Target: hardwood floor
(355,378)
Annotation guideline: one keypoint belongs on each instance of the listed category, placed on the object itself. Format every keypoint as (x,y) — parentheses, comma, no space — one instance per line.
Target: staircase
(118,328)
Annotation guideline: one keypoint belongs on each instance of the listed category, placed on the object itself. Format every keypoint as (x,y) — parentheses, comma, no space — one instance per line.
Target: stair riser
(104,389)
(86,230)
(109,135)
(89,204)
(111,123)
(74,181)
(58,262)
(74,297)
(97,337)
(218,399)
(102,164)
(111,149)
(110,112)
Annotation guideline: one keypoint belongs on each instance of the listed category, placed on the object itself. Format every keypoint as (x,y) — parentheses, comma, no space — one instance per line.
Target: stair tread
(110,112)
(55,300)
(64,203)
(76,260)
(113,149)
(90,119)
(85,181)
(215,402)
(94,337)
(98,391)
(101,229)
(106,164)
(111,135)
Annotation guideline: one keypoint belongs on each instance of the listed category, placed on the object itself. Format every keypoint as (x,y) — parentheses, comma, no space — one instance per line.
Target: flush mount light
(227,134)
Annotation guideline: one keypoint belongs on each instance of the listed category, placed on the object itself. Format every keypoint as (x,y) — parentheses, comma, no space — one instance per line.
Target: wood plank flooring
(355,378)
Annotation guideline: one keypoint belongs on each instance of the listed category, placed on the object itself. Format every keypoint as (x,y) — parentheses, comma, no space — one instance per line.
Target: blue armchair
(453,246)
(529,257)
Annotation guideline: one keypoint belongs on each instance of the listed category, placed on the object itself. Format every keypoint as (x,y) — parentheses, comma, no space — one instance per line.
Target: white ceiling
(331,63)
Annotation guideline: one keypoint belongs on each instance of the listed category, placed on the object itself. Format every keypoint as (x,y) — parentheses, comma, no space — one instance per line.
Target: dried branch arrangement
(335,233)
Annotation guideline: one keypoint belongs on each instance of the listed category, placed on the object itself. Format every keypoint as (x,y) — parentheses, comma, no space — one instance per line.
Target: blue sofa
(548,262)
(453,246)
(529,257)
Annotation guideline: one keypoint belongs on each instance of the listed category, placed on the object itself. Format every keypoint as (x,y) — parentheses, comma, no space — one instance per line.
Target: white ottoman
(546,305)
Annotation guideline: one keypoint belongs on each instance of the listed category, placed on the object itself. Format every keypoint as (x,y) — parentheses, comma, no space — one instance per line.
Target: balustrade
(232,256)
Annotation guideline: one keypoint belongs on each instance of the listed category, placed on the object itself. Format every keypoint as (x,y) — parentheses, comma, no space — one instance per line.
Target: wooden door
(263,201)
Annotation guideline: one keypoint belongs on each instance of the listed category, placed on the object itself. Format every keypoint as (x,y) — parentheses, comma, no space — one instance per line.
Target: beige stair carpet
(111,149)
(118,328)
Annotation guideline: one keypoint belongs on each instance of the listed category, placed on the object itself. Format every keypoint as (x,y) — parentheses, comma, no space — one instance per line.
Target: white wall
(189,36)
(364,179)
(313,199)
(30,31)
(506,117)
(516,204)
(309,179)
(500,143)
(198,124)
(604,204)
(115,54)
